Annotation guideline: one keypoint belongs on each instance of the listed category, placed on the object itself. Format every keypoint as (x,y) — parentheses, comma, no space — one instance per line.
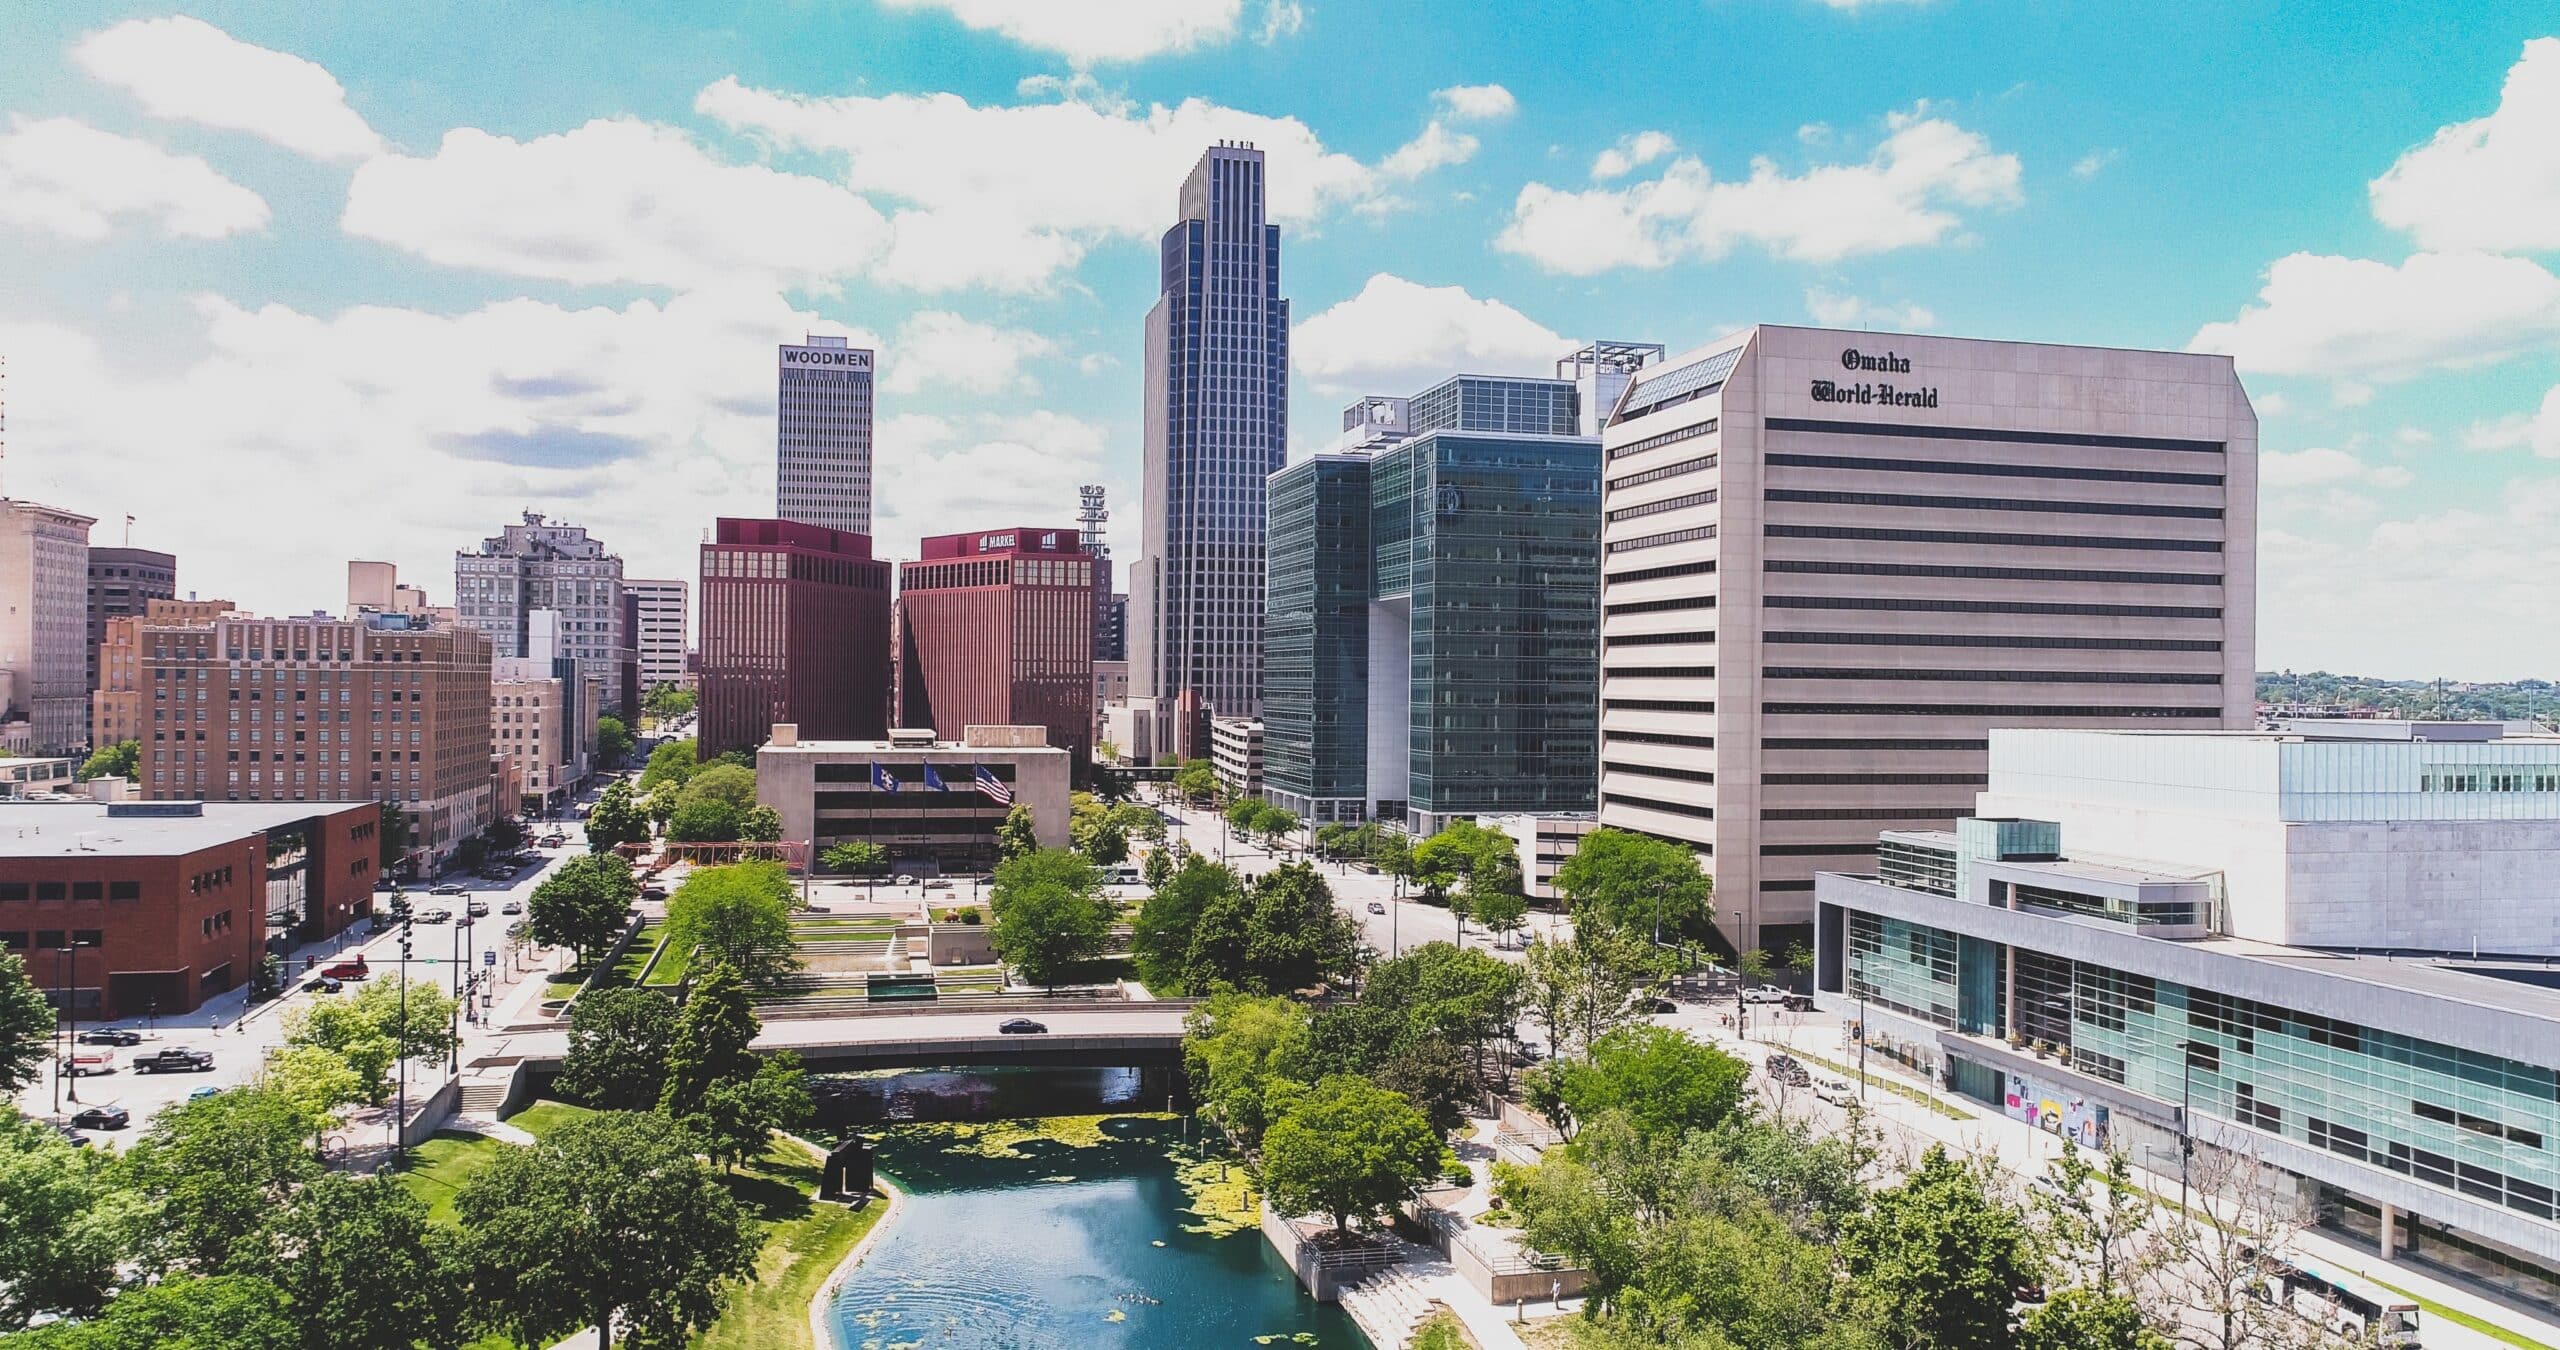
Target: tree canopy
(1051,914)
(1203,931)
(1350,1150)
(616,819)
(1249,1057)
(1635,883)
(117,760)
(65,1222)
(670,764)
(739,916)
(618,1043)
(608,1221)
(1663,1081)
(614,742)
(26,1026)
(1016,835)
(215,1168)
(584,903)
(710,1046)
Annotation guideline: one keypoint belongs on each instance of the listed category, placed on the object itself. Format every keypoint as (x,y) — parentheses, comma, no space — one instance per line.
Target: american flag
(986,781)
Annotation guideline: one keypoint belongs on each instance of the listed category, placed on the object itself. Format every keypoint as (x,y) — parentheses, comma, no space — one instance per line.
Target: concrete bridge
(1080,1033)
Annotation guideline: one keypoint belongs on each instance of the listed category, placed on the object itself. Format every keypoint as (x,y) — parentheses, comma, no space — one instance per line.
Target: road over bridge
(1086,1033)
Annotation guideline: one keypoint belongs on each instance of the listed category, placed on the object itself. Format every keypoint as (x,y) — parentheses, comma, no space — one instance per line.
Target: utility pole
(2186,1109)
(400,1123)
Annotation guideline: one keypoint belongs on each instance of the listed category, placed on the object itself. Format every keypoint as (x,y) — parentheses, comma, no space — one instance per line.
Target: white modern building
(1235,751)
(664,606)
(834,792)
(549,565)
(822,426)
(1833,560)
(1544,843)
(44,628)
(2262,943)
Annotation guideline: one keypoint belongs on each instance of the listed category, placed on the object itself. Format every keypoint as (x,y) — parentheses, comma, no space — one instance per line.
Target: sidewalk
(2024,1150)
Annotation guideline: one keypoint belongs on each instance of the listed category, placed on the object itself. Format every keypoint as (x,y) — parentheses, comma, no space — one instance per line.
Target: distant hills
(2513,700)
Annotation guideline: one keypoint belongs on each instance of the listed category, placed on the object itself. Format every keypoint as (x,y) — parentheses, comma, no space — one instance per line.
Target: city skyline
(294,219)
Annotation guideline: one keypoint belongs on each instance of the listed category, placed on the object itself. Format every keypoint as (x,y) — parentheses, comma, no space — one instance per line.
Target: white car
(1767,993)
(1834,1091)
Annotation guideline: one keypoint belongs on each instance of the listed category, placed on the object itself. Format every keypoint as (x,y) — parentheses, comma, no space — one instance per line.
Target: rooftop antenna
(1090,514)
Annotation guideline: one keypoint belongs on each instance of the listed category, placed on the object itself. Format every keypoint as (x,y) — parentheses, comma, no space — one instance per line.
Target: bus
(2340,1301)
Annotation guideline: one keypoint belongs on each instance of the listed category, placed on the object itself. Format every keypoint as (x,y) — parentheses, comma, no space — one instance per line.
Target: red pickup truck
(347,970)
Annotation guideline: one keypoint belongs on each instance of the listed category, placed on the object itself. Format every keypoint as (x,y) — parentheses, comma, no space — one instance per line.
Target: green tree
(584,904)
(704,820)
(618,1043)
(666,702)
(318,1081)
(760,825)
(1501,913)
(1275,823)
(855,858)
(670,764)
(609,1222)
(712,1033)
(1665,1083)
(722,782)
(1392,853)
(215,1168)
(737,1117)
(1755,965)
(1422,1023)
(1580,987)
(1139,821)
(1635,883)
(616,819)
(2096,1216)
(26,1026)
(2089,1319)
(1160,939)
(222,1312)
(111,761)
(1196,781)
(1249,1057)
(1245,814)
(1348,1149)
(614,742)
(1051,915)
(1096,830)
(1282,935)
(362,1267)
(1158,868)
(739,916)
(64,1224)
(397,830)
(1938,1261)
(1017,836)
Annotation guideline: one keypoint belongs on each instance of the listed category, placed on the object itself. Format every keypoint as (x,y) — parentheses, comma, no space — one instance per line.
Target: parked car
(328,984)
(1377,908)
(110,1036)
(478,909)
(1022,1026)
(435,916)
(1834,1091)
(174,1059)
(906,879)
(938,884)
(203,1092)
(450,888)
(84,1063)
(512,907)
(1657,1005)
(102,1118)
(347,970)
(1787,1069)
(1765,993)
(69,1135)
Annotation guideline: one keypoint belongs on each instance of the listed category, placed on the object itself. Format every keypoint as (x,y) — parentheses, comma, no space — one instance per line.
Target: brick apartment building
(795,628)
(996,629)
(232,708)
(127,908)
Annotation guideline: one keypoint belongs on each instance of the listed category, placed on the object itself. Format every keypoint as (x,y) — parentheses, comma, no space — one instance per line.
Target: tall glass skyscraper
(1217,426)
(1434,603)
(822,454)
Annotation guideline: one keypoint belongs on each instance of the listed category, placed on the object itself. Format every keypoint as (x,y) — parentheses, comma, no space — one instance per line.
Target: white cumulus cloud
(1476,102)
(1436,148)
(614,201)
(66,178)
(2538,431)
(2354,318)
(1398,337)
(2455,582)
(1906,194)
(1832,309)
(1090,31)
(936,347)
(2493,183)
(1630,154)
(2323,467)
(187,70)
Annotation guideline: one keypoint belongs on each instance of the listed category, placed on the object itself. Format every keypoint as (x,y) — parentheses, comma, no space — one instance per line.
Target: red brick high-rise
(795,628)
(996,627)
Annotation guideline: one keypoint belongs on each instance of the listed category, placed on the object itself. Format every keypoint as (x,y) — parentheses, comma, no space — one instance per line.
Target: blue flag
(881,778)
(933,781)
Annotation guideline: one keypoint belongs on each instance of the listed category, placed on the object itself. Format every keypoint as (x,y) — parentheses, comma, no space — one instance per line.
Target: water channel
(1059,1207)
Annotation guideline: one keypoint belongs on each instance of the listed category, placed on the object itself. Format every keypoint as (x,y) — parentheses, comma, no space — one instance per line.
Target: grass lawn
(805,1244)
(546,1115)
(1442,1331)
(2463,1319)
(438,1168)
(671,968)
(634,958)
(1894,1086)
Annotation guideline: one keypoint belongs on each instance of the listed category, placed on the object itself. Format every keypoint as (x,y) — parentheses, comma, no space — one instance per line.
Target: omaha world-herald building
(2324,947)
(1831,561)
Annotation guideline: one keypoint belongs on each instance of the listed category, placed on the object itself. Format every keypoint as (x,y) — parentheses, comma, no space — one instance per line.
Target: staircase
(1388,1306)
(484,1096)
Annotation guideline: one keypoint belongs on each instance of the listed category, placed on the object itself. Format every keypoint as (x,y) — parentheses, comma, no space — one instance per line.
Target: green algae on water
(1005,1138)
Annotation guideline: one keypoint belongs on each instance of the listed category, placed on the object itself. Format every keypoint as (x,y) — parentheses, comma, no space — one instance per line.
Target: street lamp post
(400,1122)
(70,1038)
(2186,1109)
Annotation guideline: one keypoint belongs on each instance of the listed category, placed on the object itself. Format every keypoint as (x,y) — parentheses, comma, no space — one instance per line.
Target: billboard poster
(2055,1111)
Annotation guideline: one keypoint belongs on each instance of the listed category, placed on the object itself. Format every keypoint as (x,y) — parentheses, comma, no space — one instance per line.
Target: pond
(1092,1229)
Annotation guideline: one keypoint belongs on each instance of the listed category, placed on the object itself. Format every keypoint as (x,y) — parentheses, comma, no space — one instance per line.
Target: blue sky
(374,283)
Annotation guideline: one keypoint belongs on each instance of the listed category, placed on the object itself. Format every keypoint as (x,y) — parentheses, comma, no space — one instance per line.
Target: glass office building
(1433,610)
(2414,1102)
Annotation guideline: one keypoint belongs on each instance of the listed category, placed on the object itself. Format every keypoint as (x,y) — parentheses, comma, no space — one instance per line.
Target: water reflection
(1070,1230)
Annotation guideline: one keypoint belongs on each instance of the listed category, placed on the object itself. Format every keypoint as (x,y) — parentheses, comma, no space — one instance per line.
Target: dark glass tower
(1217,426)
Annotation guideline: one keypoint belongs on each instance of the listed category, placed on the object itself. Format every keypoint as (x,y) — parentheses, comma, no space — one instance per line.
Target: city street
(239,1036)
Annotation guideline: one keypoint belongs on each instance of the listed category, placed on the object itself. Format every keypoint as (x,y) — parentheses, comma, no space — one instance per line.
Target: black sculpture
(847,1178)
